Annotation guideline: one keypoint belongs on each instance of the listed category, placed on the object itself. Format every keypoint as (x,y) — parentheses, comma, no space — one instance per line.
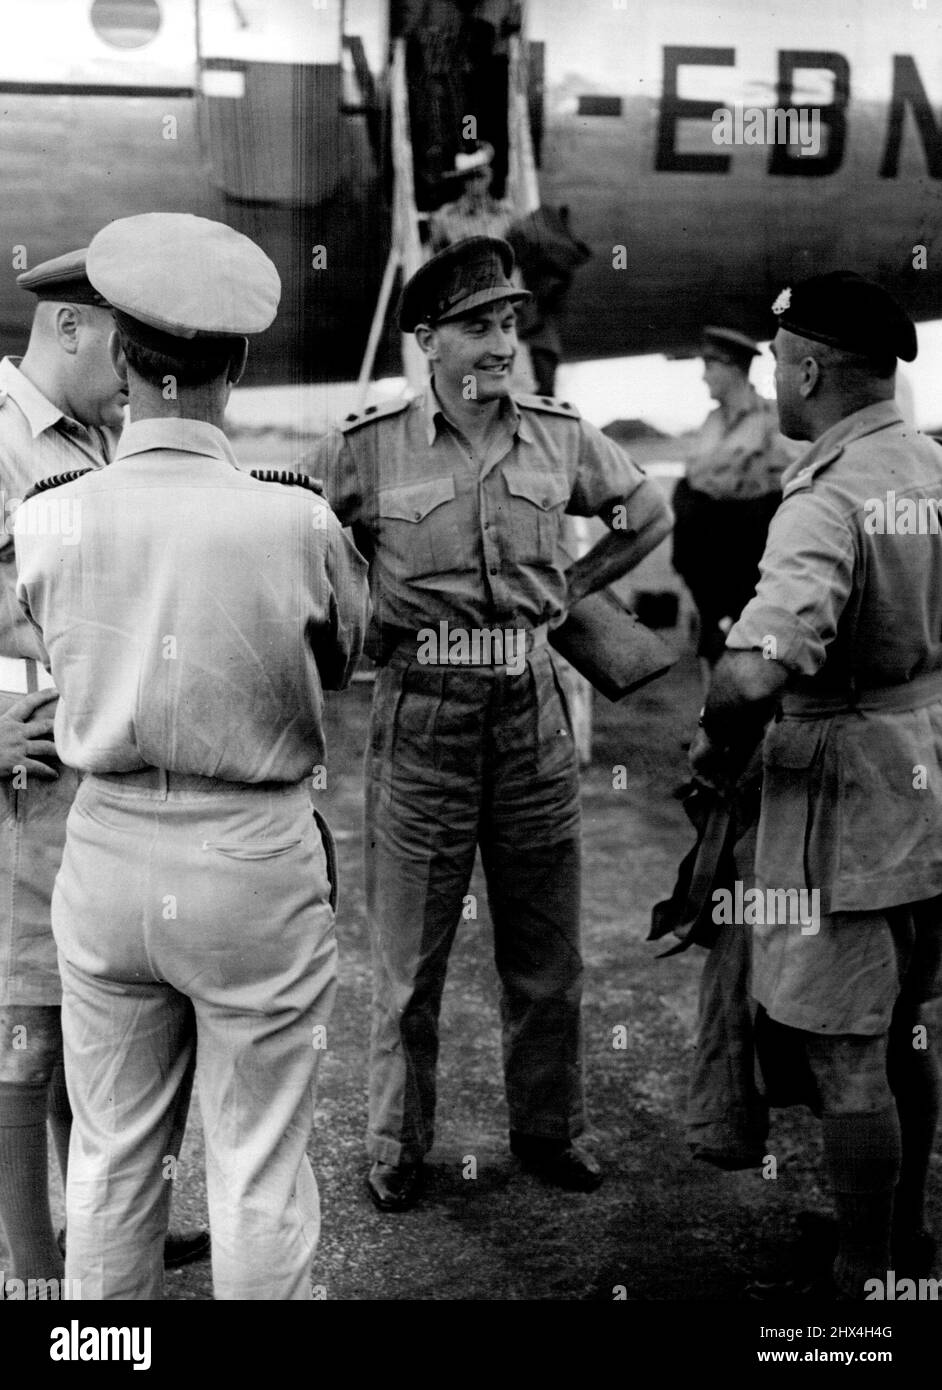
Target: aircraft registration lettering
(908,90)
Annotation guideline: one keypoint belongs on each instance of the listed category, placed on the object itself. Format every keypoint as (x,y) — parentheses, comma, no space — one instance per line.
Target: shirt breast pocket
(536,506)
(417,528)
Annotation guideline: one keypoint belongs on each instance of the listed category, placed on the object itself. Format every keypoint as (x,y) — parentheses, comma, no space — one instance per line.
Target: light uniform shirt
(738,453)
(198,618)
(854,611)
(473,541)
(36,441)
(466,217)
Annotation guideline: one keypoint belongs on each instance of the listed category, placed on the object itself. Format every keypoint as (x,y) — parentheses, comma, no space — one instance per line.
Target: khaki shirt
(36,441)
(198,617)
(852,799)
(466,217)
(738,452)
(473,541)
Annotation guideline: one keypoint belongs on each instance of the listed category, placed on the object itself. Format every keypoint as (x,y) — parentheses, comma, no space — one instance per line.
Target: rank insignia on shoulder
(803,479)
(45,484)
(283,475)
(380,411)
(549,404)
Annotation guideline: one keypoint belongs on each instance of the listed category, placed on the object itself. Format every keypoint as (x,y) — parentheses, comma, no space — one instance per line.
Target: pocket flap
(413,501)
(544,490)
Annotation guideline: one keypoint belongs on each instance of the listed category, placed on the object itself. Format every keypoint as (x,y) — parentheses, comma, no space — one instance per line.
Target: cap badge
(783,302)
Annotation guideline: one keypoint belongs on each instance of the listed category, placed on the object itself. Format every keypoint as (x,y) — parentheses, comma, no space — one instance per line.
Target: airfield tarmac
(661,1226)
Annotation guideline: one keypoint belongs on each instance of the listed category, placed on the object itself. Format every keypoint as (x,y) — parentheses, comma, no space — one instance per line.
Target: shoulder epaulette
(375,412)
(803,479)
(282,475)
(549,404)
(46,483)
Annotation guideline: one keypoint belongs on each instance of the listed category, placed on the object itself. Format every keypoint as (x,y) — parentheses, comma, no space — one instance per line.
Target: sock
(862,1153)
(60,1118)
(914,1078)
(24,1183)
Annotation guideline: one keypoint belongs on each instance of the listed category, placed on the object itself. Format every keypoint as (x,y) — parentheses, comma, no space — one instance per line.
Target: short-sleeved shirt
(738,452)
(37,440)
(850,601)
(467,540)
(199,614)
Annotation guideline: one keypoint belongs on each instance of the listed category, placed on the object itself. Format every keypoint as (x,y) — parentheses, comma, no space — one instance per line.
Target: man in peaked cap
(476,212)
(61,408)
(194,908)
(841,647)
(731,488)
(459,498)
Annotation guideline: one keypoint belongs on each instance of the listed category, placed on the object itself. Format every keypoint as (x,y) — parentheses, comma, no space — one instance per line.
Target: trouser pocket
(330,852)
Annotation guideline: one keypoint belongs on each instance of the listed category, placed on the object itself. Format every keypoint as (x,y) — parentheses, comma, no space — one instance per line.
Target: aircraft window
(126,23)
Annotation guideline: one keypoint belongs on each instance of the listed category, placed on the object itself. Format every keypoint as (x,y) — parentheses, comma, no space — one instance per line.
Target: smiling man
(458,499)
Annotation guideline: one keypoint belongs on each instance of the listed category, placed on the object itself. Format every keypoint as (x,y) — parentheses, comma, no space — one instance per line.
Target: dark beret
(847,311)
(461,278)
(62,279)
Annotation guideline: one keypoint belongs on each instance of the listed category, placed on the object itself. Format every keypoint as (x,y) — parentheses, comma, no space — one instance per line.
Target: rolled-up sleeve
(608,478)
(807,573)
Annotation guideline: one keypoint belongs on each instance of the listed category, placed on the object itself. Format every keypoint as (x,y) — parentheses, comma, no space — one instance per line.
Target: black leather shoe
(395,1186)
(567,1167)
(179,1249)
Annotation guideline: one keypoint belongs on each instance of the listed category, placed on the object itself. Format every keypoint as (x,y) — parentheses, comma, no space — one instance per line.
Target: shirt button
(494,569)
(417,516)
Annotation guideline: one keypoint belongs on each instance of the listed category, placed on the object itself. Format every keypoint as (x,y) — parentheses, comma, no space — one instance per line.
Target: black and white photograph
(471,665)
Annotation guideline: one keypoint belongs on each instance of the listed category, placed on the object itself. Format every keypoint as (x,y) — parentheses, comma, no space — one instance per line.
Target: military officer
(458,499)
(841,645)
(61,407)
(193,910)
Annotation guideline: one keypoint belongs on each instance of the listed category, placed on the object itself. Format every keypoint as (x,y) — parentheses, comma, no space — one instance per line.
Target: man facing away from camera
(61,408)
(191,633)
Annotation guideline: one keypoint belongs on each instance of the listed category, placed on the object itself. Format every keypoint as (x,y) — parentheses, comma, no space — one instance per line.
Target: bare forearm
(742,697)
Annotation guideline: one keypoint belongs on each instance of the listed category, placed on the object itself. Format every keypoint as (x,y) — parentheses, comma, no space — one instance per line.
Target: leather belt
(23,675)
